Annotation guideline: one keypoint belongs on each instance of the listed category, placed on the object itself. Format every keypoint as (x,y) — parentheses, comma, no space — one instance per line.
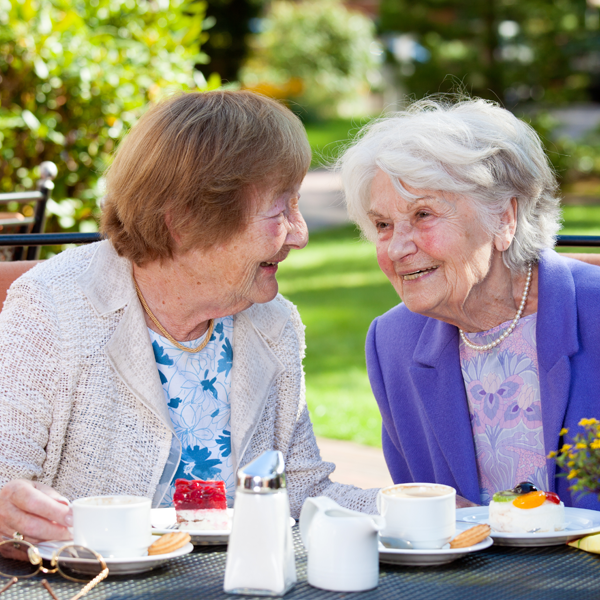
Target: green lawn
(329,137)
(339,289)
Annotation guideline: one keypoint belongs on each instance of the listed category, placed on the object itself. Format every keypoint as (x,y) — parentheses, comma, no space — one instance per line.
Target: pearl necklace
(506,333)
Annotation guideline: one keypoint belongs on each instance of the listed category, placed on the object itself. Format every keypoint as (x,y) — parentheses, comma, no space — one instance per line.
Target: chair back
(35,220)
(11,270)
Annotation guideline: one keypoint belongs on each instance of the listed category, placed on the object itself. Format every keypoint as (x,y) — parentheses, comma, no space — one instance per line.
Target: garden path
(321,200)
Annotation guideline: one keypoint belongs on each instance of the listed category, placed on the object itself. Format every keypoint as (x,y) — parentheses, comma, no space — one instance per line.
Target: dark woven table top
(552,573)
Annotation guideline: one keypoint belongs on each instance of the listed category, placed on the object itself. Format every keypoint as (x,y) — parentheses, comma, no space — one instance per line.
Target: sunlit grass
(339,289)
(328,138)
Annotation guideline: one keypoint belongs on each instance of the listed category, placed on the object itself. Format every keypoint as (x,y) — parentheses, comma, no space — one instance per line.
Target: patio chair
(11,270)
(32,219)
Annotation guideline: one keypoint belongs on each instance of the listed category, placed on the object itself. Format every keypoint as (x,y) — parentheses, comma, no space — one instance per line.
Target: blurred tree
(74,76)
(316,54)
(507,50)
(230,24)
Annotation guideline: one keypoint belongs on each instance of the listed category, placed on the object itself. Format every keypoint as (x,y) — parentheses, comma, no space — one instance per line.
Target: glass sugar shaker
(260,554)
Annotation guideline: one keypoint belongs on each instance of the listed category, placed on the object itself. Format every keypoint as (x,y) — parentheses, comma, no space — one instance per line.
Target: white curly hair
(472,148)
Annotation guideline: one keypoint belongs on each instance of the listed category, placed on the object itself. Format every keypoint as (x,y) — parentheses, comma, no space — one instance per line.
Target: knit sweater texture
(82,408)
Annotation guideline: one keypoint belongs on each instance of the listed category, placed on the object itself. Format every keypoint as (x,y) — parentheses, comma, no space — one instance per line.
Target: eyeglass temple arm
(11,582)
(88,586)
(49,589)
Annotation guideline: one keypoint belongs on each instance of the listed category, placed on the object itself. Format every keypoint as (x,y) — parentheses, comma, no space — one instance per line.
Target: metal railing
(48,239)
(58,239)
(579,241)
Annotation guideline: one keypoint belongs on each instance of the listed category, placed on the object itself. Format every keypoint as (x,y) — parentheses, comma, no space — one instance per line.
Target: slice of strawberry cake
(201,505)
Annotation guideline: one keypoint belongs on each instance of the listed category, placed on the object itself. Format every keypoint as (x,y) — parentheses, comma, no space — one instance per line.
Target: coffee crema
(416,491)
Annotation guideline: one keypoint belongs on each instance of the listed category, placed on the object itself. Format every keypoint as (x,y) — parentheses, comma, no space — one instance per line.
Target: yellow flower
(572,474)
(564,431)
(566,448)
(581,445)
(553,453)
(595,445)
(586,422)
(571,463)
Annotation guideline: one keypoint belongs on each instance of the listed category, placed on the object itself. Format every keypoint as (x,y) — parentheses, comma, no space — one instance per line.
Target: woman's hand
(35,510)
(463,502)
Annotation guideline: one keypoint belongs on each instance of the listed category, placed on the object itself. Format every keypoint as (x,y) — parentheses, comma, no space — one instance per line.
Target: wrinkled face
(241,272)
(434,250)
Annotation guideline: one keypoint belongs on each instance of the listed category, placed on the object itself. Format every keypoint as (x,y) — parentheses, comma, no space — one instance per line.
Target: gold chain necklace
(173,341)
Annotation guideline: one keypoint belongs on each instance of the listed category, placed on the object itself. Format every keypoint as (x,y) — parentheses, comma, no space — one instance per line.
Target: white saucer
(161,518)
(578,522)
(122,566)
(424,558)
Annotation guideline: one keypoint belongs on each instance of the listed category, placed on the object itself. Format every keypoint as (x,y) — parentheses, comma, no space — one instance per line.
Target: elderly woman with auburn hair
(496,345)
(165,351)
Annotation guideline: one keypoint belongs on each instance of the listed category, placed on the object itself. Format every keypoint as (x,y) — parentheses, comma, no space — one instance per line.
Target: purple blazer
(414,369)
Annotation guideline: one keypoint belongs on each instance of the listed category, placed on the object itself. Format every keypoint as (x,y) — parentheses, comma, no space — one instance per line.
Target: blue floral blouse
(197,388)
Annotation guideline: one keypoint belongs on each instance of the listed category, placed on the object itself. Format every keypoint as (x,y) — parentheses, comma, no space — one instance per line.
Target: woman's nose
(402,243)
(297,230)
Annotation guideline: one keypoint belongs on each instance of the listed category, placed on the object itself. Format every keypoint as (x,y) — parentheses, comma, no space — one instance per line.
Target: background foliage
(229,25)
(74,76)
(316,54)
(530,55)
(508,50)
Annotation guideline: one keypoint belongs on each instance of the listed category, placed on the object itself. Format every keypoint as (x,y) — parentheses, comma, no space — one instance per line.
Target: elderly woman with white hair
(496,346)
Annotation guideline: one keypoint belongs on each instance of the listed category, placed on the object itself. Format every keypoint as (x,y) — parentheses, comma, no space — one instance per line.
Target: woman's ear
(508,226)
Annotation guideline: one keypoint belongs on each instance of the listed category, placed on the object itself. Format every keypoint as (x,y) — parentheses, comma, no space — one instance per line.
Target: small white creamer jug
(341,544)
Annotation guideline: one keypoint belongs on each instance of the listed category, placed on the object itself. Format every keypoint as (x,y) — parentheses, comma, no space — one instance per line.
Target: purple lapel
(556,334)
(440,389)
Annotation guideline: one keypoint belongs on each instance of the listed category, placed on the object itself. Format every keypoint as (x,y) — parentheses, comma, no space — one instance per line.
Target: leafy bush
(316,53)
(74,76)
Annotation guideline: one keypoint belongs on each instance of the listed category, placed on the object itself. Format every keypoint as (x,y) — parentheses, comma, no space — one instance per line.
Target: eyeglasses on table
(20,560)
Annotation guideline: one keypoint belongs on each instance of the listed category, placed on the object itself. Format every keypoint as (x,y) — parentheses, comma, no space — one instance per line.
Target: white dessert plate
(121,566)
(578,522)
(163,518)
(424,558)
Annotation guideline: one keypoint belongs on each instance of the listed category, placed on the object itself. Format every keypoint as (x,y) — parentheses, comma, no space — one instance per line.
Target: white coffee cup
(423,514)
(113,526)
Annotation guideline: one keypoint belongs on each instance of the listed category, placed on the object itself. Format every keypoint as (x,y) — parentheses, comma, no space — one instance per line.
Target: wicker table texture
(557,572)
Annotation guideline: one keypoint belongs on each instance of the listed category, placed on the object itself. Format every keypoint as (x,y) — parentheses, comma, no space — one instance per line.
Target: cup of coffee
(423,514)
(113,526)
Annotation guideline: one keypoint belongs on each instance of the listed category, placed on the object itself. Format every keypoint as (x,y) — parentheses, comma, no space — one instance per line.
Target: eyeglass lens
(78,563)
(21,559)
(14,559)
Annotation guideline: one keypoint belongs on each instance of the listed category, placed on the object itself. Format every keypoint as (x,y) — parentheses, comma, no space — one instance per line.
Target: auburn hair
(192,166)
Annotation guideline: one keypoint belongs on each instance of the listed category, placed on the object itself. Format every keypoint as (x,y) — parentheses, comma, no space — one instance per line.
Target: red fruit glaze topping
(552,497)
(197,494)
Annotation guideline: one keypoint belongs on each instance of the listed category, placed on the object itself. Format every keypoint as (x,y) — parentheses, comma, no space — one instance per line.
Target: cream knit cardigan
(82,408)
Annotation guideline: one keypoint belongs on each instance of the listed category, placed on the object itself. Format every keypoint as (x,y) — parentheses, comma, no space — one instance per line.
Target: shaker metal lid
(264,474)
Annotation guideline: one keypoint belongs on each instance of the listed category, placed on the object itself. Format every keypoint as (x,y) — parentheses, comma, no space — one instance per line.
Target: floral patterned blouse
(503,392)
(197,390)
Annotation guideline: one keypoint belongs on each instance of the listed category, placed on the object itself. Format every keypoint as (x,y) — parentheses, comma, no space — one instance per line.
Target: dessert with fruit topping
(201,505)
(525,509)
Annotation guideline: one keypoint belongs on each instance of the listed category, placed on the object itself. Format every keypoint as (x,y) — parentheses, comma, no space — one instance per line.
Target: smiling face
(434,251)
(241,272)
